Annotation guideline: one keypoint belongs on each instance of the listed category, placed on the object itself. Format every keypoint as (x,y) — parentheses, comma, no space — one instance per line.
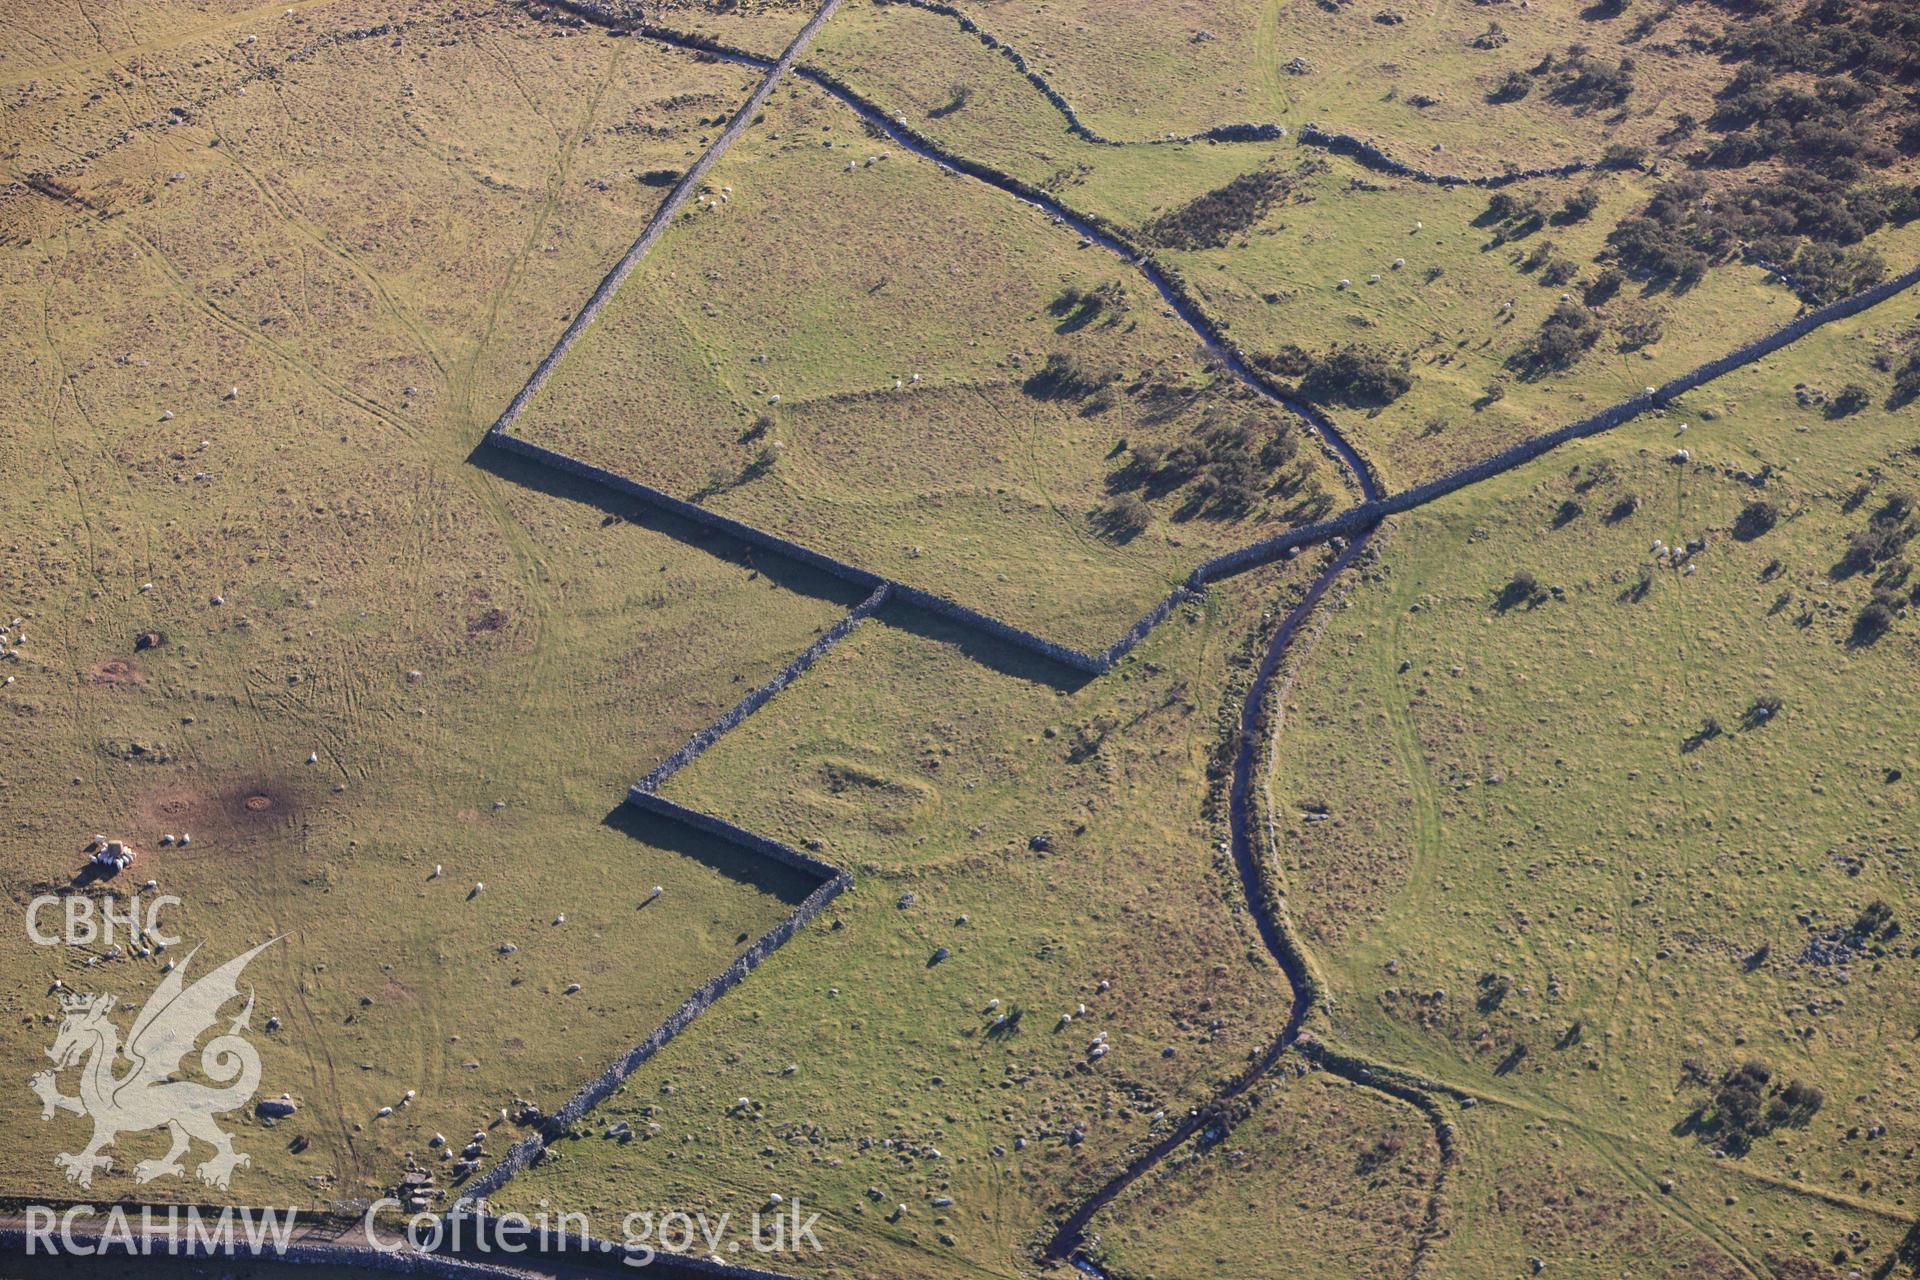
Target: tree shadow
(1520,591)
(1701,737)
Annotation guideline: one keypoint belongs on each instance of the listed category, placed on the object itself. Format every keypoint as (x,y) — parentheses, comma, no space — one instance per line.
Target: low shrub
(1358,376)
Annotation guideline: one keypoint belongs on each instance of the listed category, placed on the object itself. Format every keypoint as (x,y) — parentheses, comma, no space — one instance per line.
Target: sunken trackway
(1068,1241)
(1374,506)
(590,1257)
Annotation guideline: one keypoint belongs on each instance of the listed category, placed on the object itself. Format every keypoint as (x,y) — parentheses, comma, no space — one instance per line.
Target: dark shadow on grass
(736,863)
(998,655)
(1700,737)
(620,508)
(1517,593)
(1905,1256)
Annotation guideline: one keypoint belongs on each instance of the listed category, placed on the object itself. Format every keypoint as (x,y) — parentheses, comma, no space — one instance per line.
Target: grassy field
(1569,822)
(1149,71)
(928,762)
(918,431)
(1465,306)
(1322,1179)
(1444,280)
(970,99)
(763,27)
(244,397)
(1601,864)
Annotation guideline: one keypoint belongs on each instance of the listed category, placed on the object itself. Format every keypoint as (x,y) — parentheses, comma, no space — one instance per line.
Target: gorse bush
(1223,470)
(1357,376)
(1124,518)
(1579,79)
(1514,86)
(1212,220)
(1565,335)
(1067,377)
(1579,206)
(1755,519)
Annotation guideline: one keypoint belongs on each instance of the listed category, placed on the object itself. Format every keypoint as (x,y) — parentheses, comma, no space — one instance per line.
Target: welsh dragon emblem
(143,1095)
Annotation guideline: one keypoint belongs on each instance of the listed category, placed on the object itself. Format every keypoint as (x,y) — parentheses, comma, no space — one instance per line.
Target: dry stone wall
(699,742)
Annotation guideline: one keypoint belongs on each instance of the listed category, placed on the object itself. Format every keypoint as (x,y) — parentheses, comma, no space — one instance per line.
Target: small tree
(1852,398)
(1755,519)
(1514,86)
(1580,205)
(1522,588)
(1873,622)
(1125,518)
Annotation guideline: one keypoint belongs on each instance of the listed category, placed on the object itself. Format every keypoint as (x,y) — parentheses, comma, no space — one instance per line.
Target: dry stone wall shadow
(1346,524)
(1355,524)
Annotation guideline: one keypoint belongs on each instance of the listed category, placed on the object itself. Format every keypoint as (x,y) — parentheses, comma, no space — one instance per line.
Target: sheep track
(1357,524)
